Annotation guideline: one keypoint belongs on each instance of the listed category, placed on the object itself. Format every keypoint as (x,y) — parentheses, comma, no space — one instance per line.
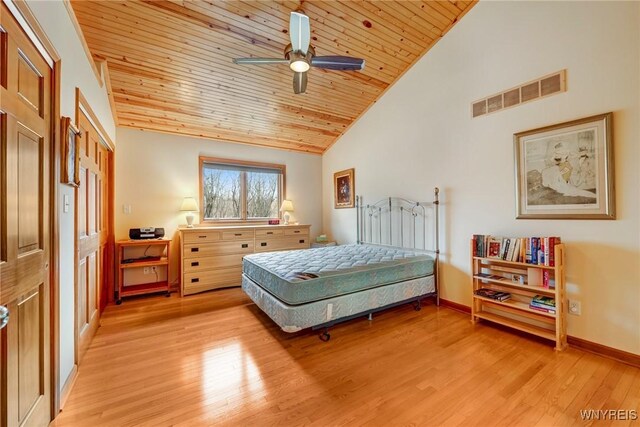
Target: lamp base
(190,219)
(286,217)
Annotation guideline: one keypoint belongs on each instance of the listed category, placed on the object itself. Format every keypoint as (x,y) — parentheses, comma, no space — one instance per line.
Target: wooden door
(25,136)
(92,231)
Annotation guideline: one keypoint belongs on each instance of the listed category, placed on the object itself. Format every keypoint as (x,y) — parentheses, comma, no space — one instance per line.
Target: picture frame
(70,136)
(565,171)
(344,189)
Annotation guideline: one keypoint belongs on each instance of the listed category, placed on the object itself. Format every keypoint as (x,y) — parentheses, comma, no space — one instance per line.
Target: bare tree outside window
(221,193)
(228,189)
(262,195)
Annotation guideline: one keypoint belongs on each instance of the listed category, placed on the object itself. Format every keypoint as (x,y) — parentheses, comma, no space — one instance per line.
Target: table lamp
(189,205)
(286,207)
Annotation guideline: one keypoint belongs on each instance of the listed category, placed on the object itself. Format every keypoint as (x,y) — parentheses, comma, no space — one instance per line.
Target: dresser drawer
(218,248)
(237,235)
(207,263)
(285,243)
(296,231)
(206,280)
(201,236)
(267,233)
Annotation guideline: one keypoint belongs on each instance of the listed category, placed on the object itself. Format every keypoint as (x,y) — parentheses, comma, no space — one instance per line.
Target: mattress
(295,318)
(303,276)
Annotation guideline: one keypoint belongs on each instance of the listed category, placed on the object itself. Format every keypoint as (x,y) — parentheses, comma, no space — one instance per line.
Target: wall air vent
(530,91)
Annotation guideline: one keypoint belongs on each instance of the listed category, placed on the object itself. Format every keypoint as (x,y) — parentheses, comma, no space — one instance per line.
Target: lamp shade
(189,204)
(287,206)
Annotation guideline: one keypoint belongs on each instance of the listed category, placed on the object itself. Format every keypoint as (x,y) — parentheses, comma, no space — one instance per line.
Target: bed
(395,261)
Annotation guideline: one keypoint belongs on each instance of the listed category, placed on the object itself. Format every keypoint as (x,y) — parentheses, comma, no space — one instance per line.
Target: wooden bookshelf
(515,312)
(132,257)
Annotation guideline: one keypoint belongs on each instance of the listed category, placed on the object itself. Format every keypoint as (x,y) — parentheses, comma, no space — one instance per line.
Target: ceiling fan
(300,55)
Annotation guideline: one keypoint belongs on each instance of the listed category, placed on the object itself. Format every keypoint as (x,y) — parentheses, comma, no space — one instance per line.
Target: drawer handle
(195,280)
(195,249)
(245,245)
(269,232)
(238,234)
(202,237)
(296,231)
(263,244)
(302,241)
(195,264)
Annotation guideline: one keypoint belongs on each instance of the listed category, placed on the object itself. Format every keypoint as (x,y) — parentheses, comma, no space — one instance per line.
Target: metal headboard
(402,223)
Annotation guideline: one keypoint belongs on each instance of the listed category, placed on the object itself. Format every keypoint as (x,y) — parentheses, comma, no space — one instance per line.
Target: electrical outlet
(154,269)
(145,270)
(575,307)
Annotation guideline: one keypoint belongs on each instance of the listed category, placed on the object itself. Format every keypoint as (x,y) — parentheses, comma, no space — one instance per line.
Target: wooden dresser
(211,257)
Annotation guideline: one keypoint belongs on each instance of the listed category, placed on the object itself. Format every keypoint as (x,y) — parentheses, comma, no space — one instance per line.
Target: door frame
(29,24)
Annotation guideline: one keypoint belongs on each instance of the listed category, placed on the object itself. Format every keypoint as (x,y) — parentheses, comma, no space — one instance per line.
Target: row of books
(530,250)
(491,294)
(539,302)
(543,303)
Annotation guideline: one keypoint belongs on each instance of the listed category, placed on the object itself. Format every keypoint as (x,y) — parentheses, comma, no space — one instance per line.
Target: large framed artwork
(71,152)
(565,171)
(344,189)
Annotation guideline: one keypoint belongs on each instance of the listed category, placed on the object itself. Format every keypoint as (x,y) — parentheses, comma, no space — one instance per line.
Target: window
(240,191)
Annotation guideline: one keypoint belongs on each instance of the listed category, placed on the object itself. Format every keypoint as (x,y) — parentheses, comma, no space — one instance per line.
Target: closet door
(25,138)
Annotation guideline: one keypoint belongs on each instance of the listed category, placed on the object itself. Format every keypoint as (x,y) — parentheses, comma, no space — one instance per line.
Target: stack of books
(543,303)
(530,250)
(491,294)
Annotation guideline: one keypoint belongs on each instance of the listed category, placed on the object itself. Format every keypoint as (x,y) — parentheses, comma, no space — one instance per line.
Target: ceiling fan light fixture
(299,62)
(299,65)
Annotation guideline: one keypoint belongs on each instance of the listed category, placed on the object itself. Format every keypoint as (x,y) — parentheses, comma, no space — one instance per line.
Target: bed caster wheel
(417,306)
(168,294)
(324,337)
(118,301)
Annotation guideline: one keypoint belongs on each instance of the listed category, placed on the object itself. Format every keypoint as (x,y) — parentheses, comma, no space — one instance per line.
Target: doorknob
(4,316)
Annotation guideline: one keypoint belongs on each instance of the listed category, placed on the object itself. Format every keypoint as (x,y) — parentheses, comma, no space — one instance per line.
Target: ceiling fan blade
(299,32)
(344,63)
(299,82)
(260,61)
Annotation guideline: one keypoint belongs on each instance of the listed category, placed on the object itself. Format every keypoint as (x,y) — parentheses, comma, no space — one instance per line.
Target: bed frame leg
(370,317)
(324,335)
(417,305)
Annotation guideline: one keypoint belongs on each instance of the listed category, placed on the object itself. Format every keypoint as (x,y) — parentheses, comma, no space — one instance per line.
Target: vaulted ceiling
(171,70)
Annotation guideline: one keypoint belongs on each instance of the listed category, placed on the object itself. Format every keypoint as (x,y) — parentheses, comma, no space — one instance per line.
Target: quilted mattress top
(302,276)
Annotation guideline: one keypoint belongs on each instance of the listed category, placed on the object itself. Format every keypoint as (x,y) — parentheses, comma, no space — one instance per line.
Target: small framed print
(71,152)
(344,189)
(565,171)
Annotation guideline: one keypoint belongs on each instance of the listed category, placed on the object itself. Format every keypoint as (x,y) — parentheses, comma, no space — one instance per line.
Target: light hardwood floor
(216,359)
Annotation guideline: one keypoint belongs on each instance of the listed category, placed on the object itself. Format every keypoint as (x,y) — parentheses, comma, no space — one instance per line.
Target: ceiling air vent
(530,91)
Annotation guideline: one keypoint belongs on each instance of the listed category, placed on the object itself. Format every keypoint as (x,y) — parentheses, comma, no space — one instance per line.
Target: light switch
(65,203)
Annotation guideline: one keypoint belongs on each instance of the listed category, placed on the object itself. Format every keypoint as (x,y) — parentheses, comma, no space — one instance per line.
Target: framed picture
(71,153)
(344,189)
(565,171)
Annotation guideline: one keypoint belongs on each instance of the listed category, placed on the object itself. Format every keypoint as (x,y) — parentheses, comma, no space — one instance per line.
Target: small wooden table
(138,258)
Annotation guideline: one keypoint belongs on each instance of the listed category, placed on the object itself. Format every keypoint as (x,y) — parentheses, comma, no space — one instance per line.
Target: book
(494,247)
(545,310)
(516,251)
(505,248)
(511,250)
(491,294)
(543,302)
(545,279)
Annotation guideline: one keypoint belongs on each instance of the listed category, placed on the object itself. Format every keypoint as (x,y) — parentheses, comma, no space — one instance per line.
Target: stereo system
(146,233)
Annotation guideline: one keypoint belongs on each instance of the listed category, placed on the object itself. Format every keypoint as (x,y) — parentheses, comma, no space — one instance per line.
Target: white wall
(420,134)
(155,171)
(76,72)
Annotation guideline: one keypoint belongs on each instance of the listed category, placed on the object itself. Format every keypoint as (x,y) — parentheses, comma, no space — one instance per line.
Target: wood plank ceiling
(171,71)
